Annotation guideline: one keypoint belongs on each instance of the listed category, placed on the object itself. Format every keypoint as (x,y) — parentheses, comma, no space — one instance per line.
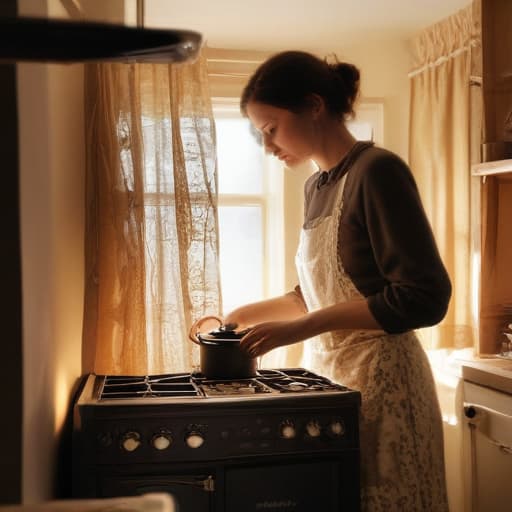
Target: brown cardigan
(385,242)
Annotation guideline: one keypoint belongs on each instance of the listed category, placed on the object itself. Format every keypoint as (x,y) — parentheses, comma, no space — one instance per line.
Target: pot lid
(223,334)
(50,40)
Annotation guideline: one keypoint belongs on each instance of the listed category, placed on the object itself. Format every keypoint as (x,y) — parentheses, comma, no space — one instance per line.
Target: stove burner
(241,387)
(186,385)
(295,386)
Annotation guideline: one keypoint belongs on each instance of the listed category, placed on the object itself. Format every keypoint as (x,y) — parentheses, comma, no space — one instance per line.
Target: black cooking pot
(221,355)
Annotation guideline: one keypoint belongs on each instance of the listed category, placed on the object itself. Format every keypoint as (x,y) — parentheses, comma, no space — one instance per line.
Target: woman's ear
(317,105)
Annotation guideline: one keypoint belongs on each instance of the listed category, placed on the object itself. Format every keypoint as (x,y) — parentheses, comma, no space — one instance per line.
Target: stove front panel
(215,433)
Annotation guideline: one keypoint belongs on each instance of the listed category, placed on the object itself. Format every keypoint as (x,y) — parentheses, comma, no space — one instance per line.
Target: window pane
(241,255)
(240,158)
(360,130)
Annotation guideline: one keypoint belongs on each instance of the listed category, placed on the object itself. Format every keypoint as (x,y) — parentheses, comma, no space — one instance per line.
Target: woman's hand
(267,336)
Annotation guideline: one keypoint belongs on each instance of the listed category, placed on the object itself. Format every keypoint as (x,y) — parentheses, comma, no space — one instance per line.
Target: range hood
(54,41)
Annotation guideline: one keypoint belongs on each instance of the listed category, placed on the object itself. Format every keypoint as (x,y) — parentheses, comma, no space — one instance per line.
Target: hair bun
(348,72)
(349,75)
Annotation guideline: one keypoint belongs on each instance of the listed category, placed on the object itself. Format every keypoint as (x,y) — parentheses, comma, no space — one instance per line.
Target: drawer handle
(477,418)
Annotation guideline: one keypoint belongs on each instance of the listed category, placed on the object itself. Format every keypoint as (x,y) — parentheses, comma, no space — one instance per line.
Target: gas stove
(291,432)
(177,387)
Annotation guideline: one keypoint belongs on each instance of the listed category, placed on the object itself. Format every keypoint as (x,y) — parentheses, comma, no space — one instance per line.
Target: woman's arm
(347,315)
(416,287)
(285,307)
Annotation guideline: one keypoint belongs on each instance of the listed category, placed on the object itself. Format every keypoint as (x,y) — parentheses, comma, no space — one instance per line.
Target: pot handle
(196,327)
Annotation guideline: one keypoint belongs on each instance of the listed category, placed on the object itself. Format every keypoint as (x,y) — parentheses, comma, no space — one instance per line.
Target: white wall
(52,167)
(51,177)
(384,68)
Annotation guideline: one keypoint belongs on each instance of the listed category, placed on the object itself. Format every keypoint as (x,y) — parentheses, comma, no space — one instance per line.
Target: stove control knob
(162,440)
(194,439)
(130,441)
(337,428)
(104,439)
(287,430)
(313,429)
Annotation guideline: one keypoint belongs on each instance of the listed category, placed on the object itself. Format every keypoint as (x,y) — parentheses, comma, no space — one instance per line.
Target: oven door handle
(206,484)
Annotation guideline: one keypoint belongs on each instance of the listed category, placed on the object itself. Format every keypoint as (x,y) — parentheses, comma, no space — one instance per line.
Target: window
(250,211)
(369,122)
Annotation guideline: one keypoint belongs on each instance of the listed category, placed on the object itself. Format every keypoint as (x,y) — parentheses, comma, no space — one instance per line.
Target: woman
(369,273)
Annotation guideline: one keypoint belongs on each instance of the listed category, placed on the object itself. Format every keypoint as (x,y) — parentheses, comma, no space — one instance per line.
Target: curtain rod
(444,58)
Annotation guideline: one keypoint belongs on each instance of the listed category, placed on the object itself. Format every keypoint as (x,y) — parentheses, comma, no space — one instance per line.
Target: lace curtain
(151,216)
(445,136)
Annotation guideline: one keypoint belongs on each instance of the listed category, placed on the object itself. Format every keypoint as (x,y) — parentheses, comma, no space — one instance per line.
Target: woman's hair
(288,79)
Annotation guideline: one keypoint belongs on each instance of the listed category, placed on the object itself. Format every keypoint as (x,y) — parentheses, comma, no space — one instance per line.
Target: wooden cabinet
(497,79)
(495,251)
(495,174)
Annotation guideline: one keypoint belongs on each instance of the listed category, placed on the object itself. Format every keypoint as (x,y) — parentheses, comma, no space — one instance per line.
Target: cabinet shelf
(492,168)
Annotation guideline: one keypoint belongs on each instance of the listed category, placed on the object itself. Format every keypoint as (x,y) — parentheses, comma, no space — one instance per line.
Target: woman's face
(287,135)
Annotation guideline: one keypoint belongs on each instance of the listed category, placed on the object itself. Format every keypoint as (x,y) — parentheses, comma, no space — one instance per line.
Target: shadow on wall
(64,457)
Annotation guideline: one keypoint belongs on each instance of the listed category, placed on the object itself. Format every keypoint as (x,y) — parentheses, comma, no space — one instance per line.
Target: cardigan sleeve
(417,288)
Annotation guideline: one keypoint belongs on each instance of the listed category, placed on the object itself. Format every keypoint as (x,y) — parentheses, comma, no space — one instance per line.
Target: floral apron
(401,438)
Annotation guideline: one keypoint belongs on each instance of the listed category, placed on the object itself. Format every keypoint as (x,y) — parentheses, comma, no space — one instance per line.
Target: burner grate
(186,385)
(158,386)
(296,380)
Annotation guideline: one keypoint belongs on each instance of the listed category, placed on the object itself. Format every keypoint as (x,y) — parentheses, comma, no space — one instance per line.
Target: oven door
(300,486)
(191,492)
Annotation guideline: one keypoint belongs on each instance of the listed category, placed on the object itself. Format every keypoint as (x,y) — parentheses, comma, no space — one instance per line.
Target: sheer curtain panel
(151,216)
(445,136)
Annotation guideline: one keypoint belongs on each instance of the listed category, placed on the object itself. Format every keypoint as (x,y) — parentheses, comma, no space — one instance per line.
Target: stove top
(183,386)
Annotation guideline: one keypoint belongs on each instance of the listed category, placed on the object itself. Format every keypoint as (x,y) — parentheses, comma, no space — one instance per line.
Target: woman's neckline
(342,167)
